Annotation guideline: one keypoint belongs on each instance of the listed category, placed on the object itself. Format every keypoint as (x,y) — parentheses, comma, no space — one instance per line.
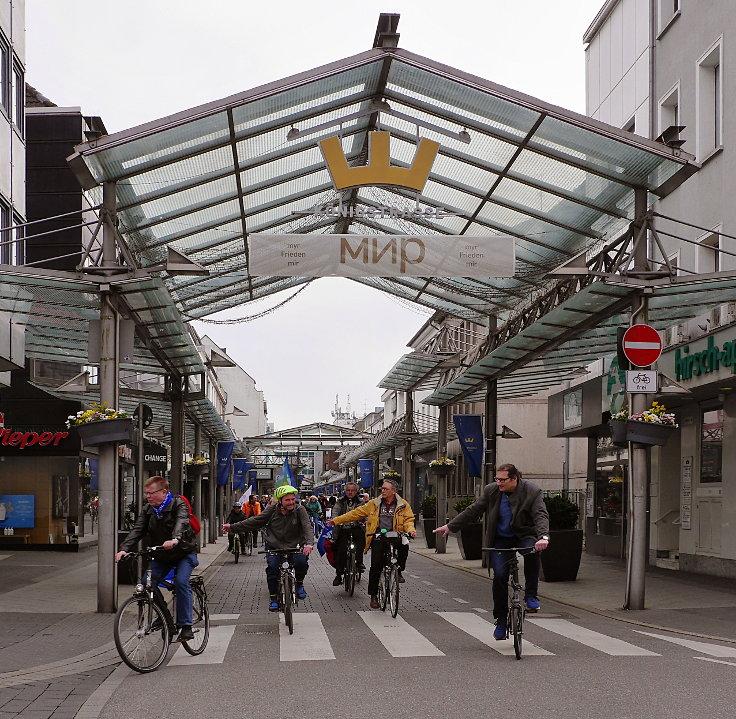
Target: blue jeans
(300,563)
(499,562)
(183,570)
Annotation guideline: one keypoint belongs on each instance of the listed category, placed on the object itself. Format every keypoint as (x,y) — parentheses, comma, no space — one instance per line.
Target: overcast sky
(135,61)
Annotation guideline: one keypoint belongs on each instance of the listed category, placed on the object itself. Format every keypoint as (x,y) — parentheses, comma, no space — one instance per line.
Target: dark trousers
(500,564)
(183,570)
(341,546)
(298,561)
(378,559)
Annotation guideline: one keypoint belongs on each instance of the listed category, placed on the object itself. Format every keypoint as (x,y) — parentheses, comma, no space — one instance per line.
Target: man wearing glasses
(166,523)
(516,516)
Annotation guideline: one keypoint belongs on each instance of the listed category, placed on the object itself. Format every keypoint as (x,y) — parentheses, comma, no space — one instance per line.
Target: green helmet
(283,491)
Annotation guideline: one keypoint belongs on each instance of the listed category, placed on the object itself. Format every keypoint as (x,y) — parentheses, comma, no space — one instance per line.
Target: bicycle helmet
(281,492)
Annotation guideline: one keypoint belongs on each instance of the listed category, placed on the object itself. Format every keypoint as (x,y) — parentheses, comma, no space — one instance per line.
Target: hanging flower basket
(649,433)
(442,470)
(105,430)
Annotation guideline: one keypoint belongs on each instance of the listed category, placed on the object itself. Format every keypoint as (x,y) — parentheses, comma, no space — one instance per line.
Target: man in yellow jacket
(389,512)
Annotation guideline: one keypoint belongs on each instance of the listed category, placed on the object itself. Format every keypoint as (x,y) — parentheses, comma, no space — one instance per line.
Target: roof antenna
(386,35)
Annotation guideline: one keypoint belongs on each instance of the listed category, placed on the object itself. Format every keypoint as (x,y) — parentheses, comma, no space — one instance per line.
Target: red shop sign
(11,438)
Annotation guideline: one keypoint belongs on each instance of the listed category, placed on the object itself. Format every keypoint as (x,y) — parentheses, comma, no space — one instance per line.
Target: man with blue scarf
(165,521)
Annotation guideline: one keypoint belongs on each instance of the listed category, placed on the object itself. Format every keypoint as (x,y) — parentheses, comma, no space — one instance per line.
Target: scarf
(160,509)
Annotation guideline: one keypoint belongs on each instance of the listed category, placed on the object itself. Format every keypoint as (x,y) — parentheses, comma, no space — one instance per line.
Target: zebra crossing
(400,638)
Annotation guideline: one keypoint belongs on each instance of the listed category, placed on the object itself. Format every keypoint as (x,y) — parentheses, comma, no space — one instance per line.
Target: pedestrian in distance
(286,526)
(165,521)
(389,512)
(516,516)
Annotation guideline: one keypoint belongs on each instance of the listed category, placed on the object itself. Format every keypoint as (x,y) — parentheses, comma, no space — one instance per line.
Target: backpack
(193,521)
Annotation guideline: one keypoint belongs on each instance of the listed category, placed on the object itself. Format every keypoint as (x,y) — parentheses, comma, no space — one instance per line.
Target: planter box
(561,559)
(430,524)
(442,470)
(470,541)
(105,430)
(648,433)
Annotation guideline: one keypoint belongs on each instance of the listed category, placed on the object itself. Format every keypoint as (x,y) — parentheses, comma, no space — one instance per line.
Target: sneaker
(401,578)
(532,604)
(501,630)
(185,635)
(337,581)
(374,602)
(274,605)
(301,593)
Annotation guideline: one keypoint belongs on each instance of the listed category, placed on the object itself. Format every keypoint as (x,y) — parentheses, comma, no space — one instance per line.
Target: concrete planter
(561,559)
(429,524)
(470,541)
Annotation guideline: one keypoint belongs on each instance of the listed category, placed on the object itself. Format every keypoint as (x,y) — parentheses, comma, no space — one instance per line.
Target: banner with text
(240,469)
(381,255)
(366,473)
(469,428)
(224,454)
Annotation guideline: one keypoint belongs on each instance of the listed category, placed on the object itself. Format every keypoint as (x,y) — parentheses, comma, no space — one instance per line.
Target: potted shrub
(561,559)
(470,537)
(100,424)
(429,520)
(653,426)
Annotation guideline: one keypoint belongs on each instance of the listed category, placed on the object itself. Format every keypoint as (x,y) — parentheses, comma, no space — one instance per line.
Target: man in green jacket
(516,516)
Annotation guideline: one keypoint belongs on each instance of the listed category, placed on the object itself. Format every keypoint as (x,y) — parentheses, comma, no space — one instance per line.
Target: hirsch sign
(381,255)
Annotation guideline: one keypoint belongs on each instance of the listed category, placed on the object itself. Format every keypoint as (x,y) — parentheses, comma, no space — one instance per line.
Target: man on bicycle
(341,537)
(166,523)
(286,525)
(516,516)
(389,512)
(236,515)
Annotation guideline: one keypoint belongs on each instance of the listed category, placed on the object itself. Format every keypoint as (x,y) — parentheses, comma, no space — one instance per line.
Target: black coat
(174,522)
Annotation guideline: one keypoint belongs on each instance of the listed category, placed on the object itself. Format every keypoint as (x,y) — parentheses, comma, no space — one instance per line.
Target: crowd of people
(515,514)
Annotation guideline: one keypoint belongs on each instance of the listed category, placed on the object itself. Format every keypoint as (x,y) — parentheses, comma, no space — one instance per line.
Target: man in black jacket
(341,535)
(516,516)
(165,521)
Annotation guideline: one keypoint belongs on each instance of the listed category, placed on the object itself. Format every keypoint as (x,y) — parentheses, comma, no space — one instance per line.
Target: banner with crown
(381,255)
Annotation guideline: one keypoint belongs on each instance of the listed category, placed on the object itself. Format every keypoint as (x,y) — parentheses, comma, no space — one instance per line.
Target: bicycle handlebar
(143,552)
(381,534)
(508,549)
(275,552)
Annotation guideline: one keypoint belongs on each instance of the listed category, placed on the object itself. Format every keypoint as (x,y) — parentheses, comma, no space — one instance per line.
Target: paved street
(439,652)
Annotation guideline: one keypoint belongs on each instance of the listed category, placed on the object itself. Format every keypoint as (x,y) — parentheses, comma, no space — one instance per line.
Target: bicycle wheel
(349,576)
(141,634)
(249,544)
(236,548)
(516,622)
(393,592)
(200,624)
(386,588)
(287,593)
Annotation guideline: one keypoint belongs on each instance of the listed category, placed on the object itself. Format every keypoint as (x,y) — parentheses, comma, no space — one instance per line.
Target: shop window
(711,446)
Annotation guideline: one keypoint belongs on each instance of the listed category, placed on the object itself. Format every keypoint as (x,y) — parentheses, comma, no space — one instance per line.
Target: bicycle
(388,587)
(287,584)
(236,546)
(248,544)
(144,625)
(517,610)
(351,574)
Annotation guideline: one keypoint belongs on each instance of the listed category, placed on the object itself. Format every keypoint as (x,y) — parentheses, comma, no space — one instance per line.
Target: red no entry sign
(642,345)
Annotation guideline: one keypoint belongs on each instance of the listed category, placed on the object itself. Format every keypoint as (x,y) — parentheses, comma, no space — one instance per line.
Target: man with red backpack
(165,521)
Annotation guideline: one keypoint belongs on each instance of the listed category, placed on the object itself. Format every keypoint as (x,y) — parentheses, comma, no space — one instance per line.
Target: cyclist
(516,516)
(314,509)
(166,523)
(340,538)
(389,512)
(236,515)
(286,525)
(252,508)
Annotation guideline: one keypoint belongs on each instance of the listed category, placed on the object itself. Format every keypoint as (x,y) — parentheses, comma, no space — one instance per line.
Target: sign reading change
(381,255)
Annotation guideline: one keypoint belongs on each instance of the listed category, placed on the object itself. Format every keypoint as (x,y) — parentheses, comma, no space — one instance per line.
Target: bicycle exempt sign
(381,255)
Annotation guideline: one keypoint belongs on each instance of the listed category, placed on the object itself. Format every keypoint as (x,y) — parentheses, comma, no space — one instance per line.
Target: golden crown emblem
(379,170)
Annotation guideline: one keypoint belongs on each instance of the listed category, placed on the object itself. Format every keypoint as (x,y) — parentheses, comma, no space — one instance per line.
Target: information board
(18,511)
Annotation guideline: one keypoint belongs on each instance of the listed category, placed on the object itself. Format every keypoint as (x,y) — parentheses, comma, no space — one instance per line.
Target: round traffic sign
(642,345)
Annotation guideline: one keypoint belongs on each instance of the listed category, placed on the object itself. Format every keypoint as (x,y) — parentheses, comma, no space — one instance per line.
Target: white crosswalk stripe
(309,641)
(715,650)
(482,630)
(399,637)
(214,653)
(595,640)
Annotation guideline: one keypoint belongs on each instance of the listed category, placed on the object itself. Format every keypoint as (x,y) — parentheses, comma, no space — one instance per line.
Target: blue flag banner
(224,455)
(366,473)
(94,474)
(324,534)
(253,479)
(240,470)
(287,476)
(469,428)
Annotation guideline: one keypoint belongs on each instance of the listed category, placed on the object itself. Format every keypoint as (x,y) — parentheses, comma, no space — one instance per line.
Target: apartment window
(709,101)
(669,109)
(709,257)
(711,445)
(4,74)
(18,248)
(18,98)
(5,221)
(669,10)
